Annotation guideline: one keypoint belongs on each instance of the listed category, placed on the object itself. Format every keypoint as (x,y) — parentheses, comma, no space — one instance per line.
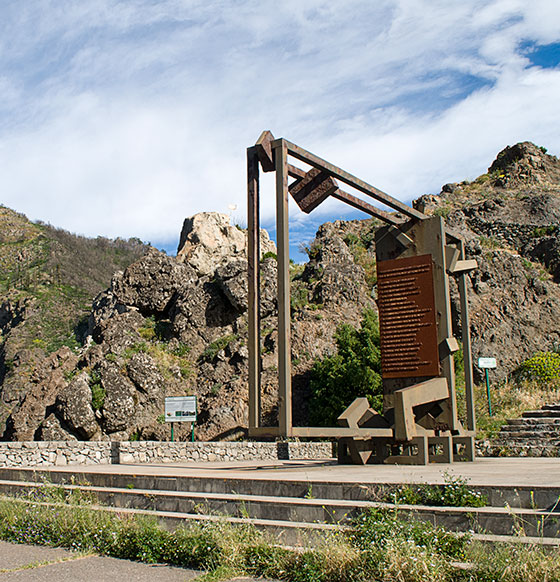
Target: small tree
(352,372)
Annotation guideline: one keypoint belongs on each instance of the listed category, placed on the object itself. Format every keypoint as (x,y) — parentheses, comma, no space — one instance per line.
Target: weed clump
(455,492)
(217,346)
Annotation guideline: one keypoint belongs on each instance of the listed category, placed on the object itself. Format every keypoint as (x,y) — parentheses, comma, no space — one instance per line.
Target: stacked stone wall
(514,234)
(61,453)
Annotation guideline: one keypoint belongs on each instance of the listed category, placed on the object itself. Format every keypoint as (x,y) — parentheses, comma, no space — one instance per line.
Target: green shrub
(148,330)
(182,349)
(97,391)
(544,231)
(375,526)
(137,348)
(442,211)
(543,367)
(359,247)
(354,371)
(299,296)
(217,346)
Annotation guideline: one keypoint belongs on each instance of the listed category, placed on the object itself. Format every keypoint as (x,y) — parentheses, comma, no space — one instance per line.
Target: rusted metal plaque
(407,317)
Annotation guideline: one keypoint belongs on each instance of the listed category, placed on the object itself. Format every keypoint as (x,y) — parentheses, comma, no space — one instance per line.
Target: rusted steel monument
(415,255)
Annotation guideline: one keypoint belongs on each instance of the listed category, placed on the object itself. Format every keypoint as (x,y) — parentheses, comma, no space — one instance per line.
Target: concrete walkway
(513,471)
(24,563)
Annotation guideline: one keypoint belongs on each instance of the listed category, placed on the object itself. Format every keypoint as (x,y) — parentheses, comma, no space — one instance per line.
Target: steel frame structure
(310,188)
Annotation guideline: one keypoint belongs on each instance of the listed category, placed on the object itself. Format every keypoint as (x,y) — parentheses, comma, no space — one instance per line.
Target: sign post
(181,409)
(487,364)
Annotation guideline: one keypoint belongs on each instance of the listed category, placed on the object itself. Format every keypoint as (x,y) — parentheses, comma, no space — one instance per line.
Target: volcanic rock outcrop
(172,326)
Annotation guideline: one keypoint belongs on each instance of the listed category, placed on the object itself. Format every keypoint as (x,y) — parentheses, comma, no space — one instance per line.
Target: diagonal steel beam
(350,199)
(336,172)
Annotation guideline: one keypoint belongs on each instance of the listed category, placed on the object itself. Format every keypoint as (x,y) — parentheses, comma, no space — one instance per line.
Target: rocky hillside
(509,218)
(171,326)
(174,326)
(48,279)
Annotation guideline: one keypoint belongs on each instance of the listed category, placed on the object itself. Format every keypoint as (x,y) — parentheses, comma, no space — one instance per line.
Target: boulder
(75,408)
(232,280)
(143,371)
(208,240)
(152,282)
(119,407)
(51,429)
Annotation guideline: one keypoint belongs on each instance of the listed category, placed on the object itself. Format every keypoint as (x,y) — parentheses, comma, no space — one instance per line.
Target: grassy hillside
(48,278)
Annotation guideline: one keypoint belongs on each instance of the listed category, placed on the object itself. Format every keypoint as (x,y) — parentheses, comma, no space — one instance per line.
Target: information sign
(407,317)
(180,409)
(487,363)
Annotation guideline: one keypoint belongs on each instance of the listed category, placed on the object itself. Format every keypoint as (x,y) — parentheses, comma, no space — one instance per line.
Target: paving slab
(39,564)
(20,555)
(485,471)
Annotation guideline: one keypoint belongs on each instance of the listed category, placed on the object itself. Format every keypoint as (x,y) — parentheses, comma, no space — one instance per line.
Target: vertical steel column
(430,238)
(443,306)
(467,349)
(253,259)
(282,242)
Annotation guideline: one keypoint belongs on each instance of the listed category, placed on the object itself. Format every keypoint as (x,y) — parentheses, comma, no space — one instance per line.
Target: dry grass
(408,562)
(510,400)
(514,563)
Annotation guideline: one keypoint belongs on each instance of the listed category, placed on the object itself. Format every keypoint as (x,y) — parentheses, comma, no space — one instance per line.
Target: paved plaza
(512,471)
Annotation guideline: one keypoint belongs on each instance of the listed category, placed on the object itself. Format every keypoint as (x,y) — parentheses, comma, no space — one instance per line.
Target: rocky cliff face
(175,326)
(171,326)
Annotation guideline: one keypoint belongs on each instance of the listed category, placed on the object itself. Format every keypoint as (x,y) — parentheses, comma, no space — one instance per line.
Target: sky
(122,118)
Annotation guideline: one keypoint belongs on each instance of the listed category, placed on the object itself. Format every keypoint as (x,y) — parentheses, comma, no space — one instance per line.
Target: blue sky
(121,118)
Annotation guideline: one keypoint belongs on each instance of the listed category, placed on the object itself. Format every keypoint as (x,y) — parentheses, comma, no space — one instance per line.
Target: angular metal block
(465,266)
(353,414)
(264,151)
(313,189)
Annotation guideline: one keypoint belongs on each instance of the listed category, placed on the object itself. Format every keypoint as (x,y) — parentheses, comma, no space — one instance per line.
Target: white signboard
(180,409)
(486,362)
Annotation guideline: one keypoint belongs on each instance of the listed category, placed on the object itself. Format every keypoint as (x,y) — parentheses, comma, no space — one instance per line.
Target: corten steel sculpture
(415,257)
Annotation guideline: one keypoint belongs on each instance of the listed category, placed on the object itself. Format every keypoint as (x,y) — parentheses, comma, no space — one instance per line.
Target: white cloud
(121,118)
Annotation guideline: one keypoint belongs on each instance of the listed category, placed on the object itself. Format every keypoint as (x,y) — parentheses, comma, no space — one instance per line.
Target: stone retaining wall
(514,234)
(59,453)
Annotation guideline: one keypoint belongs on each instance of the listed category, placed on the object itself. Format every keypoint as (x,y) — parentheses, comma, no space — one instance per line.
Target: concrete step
(513,496)
(535,422)
(549,543)
(506,449)
(520,431)
(283,510)
(551,407)
(526,441)
(533,426)
(541,414)
(297,533)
